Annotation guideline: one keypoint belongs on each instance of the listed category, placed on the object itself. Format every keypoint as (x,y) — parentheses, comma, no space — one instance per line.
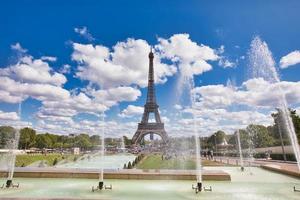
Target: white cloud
(191,57)
(83,31)
(92,102)
(13,91)
(48,58)
(177,107)
(18,48)
(254,92)
(8,116)
(292,58)
(226,63)
(127,64)
(66,69)
(33,71)
(209,121)
(112,96)
(131,111)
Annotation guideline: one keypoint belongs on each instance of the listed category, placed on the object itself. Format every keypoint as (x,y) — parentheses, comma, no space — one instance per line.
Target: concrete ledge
(212,175)
(279,169)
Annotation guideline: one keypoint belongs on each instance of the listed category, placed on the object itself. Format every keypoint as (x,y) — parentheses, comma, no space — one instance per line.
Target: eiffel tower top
(151,99)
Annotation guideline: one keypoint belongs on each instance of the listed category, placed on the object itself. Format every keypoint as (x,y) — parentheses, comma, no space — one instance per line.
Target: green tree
(43,141)
(83,141)
(7,134)
(296,122)
(260,136)
(127,141)
(95,140)
(216,138)
(280,129)
(244,137)
(27,138)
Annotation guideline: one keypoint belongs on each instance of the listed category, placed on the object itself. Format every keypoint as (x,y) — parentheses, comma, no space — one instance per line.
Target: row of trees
(29,138)
(261,136)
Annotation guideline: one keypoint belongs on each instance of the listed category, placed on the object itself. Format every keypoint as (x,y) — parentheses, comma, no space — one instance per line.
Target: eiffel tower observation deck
(145,127)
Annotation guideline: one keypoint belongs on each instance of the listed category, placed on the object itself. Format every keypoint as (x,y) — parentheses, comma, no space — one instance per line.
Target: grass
(154,161)
(27,159)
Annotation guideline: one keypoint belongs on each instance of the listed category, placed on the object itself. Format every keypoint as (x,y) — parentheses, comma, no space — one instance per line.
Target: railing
(152,126)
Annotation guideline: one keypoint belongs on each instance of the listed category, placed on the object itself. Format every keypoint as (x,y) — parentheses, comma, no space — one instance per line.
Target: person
(209,154)
(205,155)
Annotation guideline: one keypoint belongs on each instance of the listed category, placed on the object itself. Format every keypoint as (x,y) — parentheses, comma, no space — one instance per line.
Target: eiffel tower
(145,127)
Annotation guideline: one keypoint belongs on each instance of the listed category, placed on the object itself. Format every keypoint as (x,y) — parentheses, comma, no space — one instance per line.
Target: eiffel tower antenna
(145,127)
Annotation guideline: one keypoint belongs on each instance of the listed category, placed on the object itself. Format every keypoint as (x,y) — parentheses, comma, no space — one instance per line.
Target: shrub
(55,161)
(129,166)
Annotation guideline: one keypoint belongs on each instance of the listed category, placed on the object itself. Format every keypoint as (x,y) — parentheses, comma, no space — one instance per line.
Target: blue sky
(52,28)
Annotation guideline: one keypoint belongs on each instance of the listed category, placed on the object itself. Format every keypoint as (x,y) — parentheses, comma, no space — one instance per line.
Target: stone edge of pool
(211,175)
(278,169)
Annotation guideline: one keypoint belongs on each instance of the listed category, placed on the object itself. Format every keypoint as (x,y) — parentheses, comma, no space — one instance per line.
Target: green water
(262,185)
(115,161)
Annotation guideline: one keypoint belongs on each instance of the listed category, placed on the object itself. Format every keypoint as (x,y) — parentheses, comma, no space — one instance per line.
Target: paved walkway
(287,167)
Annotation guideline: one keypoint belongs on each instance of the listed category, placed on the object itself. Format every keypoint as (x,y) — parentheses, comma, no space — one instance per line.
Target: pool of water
(257,185)
(115,161)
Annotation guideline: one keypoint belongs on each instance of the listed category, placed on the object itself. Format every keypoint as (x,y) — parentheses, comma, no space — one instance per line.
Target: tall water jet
(123,149)
(240,149)
(262,65)
(13,147)
(101,181)
(250,131)
(187,80)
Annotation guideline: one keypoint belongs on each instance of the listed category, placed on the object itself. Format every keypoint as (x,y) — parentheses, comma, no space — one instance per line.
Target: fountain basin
(242,187)
(211,174)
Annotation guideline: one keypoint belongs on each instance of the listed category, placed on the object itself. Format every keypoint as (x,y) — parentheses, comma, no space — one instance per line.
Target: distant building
(72,135)
(76,151)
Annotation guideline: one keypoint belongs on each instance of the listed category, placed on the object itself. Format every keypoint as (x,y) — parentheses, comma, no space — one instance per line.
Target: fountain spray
(240,150)
(101,185)
(101,181)
(12,158)
(262,65)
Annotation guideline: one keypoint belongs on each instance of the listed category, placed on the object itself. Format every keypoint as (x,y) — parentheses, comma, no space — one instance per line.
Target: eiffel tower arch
(145,127)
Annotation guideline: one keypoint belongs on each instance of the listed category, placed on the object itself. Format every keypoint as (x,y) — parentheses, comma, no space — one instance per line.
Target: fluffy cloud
(292,58)
(12,91)
(92,101)
(209,121)
(127,64)
(33,71)
(191,57)
(112,96)
(8,116)
(131,111)
(254,92)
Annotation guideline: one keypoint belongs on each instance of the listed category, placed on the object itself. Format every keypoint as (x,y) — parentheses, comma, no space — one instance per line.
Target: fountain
(12,145)
(262,65)
(123,149)
(187,80)
(250,130)
(101,185)
(240,150)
